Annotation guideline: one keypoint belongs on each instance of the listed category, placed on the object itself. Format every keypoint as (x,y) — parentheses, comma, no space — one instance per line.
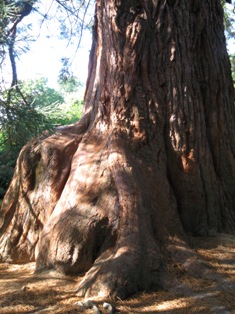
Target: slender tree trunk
(151,160)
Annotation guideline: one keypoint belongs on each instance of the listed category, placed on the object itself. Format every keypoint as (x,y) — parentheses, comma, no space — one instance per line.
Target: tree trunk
(152,159)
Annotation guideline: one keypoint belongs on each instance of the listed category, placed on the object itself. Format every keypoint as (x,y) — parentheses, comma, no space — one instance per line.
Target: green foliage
(72,110)
(23,118)
(19,123)
(39,94)
(43,108)
(68,83)
(7,165)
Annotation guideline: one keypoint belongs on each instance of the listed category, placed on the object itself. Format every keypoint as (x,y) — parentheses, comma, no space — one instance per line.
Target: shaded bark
(114,195)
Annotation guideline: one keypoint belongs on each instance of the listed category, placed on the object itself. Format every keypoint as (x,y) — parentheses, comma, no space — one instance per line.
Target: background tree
(152,158)
(45,109)
(28,108)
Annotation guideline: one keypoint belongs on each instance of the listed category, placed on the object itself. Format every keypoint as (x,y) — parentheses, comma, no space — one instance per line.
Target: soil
(22,291)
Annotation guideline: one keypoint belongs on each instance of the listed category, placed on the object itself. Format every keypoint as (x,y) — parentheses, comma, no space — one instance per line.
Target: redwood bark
(114,195)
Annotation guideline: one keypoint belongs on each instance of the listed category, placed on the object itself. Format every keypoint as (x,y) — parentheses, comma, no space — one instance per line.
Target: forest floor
(22,291)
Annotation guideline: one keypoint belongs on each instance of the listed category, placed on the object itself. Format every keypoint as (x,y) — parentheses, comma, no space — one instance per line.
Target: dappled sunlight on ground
(22,291)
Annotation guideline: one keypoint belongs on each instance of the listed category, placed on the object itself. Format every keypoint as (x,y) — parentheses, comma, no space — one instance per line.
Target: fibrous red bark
(152,158)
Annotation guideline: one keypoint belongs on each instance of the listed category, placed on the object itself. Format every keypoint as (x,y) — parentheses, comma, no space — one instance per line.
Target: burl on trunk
(152,159)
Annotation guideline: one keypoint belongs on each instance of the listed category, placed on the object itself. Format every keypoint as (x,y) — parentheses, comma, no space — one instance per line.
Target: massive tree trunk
(152,159)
